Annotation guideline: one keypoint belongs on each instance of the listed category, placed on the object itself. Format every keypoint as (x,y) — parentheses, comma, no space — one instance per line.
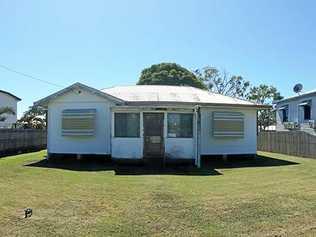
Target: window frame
(126,113)
(181,113)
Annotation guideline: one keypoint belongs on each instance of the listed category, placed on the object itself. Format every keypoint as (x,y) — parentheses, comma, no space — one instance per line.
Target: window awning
(305,103)
(283,108)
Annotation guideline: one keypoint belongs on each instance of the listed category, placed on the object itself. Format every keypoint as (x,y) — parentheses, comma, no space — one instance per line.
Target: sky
(108,43)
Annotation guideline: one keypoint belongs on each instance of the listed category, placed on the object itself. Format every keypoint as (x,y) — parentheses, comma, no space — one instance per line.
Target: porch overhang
(283,108)
(305,103)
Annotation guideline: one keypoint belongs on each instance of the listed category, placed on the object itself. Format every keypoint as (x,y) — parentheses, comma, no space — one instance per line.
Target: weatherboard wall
(211,145)
(77,99)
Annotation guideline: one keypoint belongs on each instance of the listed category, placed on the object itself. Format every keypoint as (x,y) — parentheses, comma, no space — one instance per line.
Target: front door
(153,135)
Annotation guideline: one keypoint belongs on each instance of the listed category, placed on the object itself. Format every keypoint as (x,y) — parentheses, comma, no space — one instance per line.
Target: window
(307,112)
(126,124)
(180,125)
(285,113)
(78,122)
(306,109)
(228,124)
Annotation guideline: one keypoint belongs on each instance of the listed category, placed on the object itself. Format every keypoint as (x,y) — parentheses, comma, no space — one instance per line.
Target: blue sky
(107,43)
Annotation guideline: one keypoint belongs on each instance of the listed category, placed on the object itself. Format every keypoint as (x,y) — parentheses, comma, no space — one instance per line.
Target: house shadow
(188,170)
(209,167)
(244,162)
(95,165)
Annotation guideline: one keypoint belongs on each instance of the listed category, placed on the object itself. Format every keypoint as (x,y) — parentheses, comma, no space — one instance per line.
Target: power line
(29,76)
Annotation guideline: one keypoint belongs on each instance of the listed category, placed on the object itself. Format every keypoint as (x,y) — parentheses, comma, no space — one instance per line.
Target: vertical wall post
(197,137)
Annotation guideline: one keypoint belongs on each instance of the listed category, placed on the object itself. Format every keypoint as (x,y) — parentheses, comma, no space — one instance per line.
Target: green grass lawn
(274,195)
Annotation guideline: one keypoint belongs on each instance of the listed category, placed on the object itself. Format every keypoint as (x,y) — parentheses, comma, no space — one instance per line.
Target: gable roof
(163,94)
(160,95)
(9,94)
(44,101)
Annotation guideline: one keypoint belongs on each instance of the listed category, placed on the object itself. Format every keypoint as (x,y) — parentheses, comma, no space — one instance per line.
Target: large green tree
(35,117)
(265,94)
(169,74)
(222,82)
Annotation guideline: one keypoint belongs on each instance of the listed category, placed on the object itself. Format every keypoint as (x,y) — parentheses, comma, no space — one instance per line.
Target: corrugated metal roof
(156,95)
(179,94)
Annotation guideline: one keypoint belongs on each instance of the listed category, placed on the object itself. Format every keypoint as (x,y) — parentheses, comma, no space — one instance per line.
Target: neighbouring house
(297,112)
(136,122)
(8,100)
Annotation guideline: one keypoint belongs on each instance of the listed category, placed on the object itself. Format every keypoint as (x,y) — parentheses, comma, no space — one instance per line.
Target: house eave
(192,104)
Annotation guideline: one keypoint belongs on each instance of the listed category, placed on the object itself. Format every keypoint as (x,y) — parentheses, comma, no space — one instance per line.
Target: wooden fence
(296,143)
(20,140)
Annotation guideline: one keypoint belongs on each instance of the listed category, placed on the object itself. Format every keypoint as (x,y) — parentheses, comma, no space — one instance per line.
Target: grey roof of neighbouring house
(161,94)
(301,95)
(8,93)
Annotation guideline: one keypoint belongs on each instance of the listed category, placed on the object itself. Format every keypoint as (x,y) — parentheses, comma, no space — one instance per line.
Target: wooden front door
(153,134)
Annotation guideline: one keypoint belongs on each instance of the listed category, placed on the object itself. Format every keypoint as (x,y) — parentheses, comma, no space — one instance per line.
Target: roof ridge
(192,88)
(153,85)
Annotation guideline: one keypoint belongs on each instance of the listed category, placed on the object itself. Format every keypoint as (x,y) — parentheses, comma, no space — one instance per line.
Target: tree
(4,111)
(222,82)
(264,94)
(169,74)
(35,117)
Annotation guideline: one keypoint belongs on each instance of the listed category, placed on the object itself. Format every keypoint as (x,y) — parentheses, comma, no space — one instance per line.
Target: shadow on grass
(209,166)
(242,162)
(123,169)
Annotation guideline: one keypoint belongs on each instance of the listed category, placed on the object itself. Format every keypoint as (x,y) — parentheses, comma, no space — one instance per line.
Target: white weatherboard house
(8,100)
(136,122)
(297,112)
